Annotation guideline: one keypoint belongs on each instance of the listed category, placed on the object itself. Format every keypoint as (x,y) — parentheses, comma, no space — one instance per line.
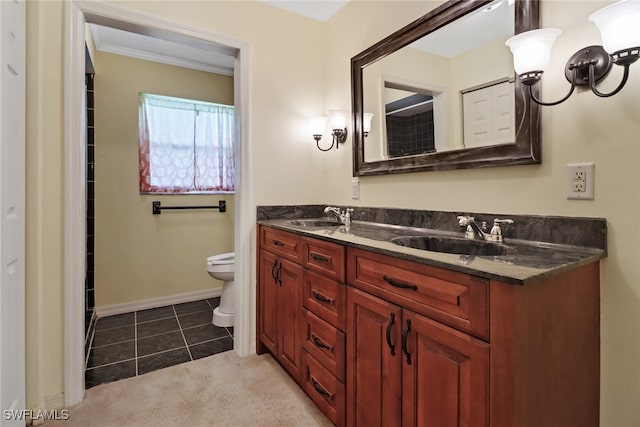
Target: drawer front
(324,257)
(457,299)
(324,389)
(281,242)
(325,343)
(325,297)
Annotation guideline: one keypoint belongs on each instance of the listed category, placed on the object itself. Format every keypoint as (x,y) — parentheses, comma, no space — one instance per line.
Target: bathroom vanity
(378,333)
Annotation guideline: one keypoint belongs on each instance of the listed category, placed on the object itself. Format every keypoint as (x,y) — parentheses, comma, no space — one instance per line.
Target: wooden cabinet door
(445,375)
(289,276)
(373,361)
(268,288)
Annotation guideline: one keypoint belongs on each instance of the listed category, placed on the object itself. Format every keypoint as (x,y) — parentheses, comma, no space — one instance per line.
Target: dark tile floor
(133,344)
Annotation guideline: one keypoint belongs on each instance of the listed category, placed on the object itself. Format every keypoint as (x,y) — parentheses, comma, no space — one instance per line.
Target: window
(186,146)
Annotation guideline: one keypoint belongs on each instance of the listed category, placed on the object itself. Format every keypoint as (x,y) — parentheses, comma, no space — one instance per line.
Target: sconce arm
(592,82)
(548,104)
(323,149)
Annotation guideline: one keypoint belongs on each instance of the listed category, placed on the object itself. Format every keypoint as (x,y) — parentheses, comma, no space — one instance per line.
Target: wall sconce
(338,121)
(366,123)
(619,26)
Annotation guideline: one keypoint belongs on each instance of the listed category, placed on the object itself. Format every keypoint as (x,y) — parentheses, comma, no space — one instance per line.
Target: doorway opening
(77,15)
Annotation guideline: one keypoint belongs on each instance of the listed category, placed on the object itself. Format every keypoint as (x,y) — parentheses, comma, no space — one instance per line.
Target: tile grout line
(182,333)
(86,359)
(135,339)
(111,364)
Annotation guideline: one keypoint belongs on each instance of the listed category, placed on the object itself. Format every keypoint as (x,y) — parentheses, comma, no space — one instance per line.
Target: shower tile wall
(89,285)
(410,135)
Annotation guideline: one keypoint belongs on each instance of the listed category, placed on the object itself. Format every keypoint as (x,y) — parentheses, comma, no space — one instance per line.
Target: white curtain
(185,146)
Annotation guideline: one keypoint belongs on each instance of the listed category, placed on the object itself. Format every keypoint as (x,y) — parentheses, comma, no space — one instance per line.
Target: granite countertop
(541,254)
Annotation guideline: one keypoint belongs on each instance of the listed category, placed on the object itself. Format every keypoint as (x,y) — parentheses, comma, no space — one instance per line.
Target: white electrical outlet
(355,188)
(580,180)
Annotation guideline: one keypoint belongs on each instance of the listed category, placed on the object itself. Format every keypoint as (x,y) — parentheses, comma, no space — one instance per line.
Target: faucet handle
(496,231)
(502,221)
(464,220)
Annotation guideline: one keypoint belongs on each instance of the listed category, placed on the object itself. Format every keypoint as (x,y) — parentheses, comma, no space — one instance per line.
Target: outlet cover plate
(355,188)
(580,181)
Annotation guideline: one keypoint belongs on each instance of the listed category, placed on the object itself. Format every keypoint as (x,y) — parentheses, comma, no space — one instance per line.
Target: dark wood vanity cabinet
(279,297)
(376,340)
(301,314)
(403,368)
(323,337)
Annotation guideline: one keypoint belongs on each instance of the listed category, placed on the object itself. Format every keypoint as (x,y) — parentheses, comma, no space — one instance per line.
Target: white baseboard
(128,307)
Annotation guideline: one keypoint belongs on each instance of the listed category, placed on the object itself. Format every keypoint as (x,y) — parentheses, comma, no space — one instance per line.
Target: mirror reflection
(468,76)
(452,89)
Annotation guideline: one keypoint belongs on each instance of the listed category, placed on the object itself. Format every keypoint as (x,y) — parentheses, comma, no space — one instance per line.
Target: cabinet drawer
(325,297)
(281,242)
(457,299)
(324,257)
(325,343)
(324,389)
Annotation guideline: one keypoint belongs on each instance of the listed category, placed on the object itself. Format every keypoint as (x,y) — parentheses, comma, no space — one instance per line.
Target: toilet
(221,267)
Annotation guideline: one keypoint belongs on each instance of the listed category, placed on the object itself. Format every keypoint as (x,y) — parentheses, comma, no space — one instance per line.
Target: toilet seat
(228,258)
(223,263)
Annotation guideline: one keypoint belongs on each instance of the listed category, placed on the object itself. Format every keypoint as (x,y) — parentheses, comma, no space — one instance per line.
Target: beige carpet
(220,390)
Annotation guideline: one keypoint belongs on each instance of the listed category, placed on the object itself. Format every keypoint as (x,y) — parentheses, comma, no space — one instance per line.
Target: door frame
(77,13)
(12,211)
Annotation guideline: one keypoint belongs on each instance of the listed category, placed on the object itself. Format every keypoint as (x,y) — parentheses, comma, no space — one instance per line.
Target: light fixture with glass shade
(338,121)
(619,26)
(366,123)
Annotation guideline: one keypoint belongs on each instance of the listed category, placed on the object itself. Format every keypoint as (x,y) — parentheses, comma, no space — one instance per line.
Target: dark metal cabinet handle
(319,343)
(277,243)
(405,334)
(389,326)
(273,271)
(278,270)
(318,296)
(319,257)
(400,285)
(320,389)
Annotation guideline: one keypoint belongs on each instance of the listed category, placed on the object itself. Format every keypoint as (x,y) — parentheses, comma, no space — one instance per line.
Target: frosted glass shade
(317,125)
(338,119)
(366,121)
(619,25)
(532,50)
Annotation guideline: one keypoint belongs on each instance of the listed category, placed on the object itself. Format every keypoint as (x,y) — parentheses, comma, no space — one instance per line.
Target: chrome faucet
(343,216)
(473,231)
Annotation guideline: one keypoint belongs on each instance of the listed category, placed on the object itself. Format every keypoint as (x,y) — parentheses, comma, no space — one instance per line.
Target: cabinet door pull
(320,389)
(279,275)
(273,271)
(319,343)
(389,326)
(405,334)
(319,257)
(277,243)
(400,285)
(318,296)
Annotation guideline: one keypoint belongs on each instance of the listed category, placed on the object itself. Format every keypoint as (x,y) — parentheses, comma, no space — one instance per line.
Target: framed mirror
(443,94)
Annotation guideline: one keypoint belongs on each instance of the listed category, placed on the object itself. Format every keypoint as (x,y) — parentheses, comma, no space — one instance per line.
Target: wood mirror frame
(525,150)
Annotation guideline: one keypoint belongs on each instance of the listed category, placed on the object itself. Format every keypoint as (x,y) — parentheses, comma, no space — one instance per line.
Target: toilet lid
(222,258)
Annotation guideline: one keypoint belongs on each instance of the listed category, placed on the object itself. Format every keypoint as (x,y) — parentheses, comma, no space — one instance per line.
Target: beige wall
(294,77)
(138,255)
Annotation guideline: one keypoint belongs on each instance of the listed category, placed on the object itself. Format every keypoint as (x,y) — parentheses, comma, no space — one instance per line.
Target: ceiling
(196,56)
(318,10)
